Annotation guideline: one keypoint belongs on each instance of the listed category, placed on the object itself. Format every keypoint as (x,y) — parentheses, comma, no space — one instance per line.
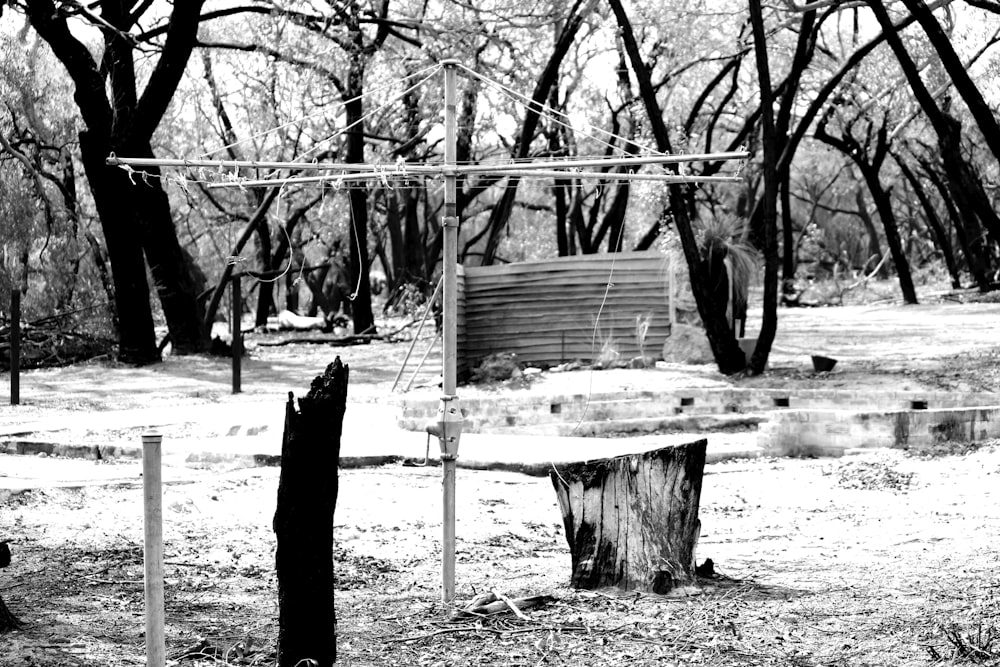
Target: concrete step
(637,426)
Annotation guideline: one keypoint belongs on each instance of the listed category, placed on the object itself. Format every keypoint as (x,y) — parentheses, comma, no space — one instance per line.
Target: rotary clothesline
(450,421)
(568,168)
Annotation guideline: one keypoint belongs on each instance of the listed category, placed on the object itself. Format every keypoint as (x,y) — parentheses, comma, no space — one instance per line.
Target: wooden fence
(585,307)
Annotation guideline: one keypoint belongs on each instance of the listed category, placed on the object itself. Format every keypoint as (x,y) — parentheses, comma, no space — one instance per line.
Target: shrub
(498,367)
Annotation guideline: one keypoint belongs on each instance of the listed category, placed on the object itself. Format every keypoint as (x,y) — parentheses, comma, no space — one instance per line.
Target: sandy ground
(885,559)
(862,561)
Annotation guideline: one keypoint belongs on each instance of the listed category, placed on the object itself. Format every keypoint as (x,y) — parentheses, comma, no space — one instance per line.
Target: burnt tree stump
(303,521)
(632,521)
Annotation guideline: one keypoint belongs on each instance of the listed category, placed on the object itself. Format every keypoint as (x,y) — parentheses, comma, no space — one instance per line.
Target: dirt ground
(883,559)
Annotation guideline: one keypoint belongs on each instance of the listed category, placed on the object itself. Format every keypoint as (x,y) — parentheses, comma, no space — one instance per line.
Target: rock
(687,345)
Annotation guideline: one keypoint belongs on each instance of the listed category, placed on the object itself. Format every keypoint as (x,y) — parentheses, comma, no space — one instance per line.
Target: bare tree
(727,352)
(500,213)
(869,154)
(941,237)
(969,196)
(769,326)
(985,116)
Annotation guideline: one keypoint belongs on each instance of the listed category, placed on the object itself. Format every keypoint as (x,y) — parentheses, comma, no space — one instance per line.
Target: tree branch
(248,231)
(89,95)
(279,56)
(30,168)
(182,34)
(986,5)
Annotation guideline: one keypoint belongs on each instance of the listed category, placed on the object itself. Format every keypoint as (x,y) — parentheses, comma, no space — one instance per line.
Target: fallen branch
(480,628)
(513,607)
(313,340)
(865,278)
(518,605)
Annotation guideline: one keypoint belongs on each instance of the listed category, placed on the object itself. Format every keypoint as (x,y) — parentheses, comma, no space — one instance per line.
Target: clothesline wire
(374,111)
(555,115)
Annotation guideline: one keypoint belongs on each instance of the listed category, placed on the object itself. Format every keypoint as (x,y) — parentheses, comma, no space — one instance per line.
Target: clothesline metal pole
(449,413)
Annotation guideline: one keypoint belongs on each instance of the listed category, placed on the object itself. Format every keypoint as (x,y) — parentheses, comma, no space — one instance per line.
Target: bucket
(823,364)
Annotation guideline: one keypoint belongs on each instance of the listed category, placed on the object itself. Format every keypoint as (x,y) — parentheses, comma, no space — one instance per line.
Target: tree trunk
(974,210)
(614,219)
(874,244)
(726,351)
(933,221)
(136,339)
(265,288)
(789,249)
(358,264)
(172,269)
(501,211)
(303,521)
(805,48)
(632,521)
(394,233)
(414,257)
(769,137)
(559,186)
(883,203)
(227,272)
(975,265)
(100,257)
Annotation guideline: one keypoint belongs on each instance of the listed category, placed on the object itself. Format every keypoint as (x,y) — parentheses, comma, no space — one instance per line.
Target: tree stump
(303,521)
(632,521)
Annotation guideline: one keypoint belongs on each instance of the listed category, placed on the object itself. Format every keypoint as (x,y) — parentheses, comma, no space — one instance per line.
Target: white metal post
(672,290)
(152,502)
(449,438)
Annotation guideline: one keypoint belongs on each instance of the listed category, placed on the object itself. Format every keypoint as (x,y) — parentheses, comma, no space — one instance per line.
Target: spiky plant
(721,240)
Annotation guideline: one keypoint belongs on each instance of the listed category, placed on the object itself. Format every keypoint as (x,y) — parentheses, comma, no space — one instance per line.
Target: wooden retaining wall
(557,310)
